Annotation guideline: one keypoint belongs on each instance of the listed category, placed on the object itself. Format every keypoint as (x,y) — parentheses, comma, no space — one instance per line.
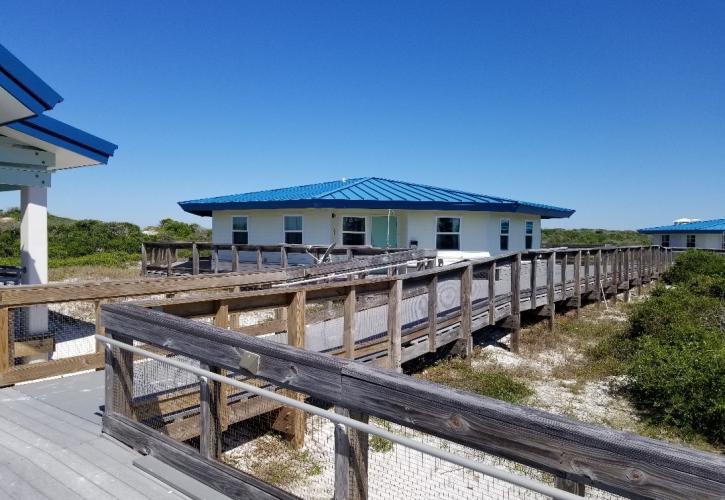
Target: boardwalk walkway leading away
(51,446)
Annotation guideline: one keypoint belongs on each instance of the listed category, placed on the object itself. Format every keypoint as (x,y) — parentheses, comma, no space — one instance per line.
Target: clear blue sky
(615,109)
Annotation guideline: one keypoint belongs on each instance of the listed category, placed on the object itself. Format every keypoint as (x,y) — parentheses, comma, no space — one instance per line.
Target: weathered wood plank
(395,297)
(349,326)
(303,370)
(432,312)
(466,310)
(615,461)
(34,371)
(492,293)
(219,476)
(515,320)
(551,303)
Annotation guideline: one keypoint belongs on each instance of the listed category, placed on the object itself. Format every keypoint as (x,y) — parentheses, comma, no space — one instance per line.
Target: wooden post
(119,379)
(640,270)
(432,312)
(194,259)
(168,261)
(550,262)
(221,319)
(291,420)
(615,274)
(351,459)
(570,486)
(533,281)
(492,293)
(577,280)
(5,339)
(564,259)
(283,257)
(626,274)
(342,460)
(598,275)
(210,413)
(235,259)
(100,329)
(587,272)
(515,302)
(349,326)
(259,259)
(215,258)
(466,310)
(395,297)
(144,264)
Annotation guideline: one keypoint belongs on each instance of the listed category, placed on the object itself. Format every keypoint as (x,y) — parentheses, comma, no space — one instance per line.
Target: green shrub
(557,237)
(693,263)
(676,365)
(681,385)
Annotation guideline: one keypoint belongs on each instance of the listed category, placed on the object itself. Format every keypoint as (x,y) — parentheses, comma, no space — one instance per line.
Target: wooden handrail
(612,460)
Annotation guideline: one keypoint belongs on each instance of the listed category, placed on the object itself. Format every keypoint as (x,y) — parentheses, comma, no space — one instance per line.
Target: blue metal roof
(703,226)
(24,85)
(370,192)
(58,134)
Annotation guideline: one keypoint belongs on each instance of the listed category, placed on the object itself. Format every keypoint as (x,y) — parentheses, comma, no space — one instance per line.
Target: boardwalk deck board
(52,446)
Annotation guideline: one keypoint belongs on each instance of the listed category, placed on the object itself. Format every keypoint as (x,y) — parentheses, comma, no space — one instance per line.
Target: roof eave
(25,85)
(204,208)
(57,133)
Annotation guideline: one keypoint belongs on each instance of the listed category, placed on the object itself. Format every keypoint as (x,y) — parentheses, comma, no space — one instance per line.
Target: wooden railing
(75,308)
(575,452)
(162,257)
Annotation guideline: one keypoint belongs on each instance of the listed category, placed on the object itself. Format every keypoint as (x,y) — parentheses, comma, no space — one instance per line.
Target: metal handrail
(338,419)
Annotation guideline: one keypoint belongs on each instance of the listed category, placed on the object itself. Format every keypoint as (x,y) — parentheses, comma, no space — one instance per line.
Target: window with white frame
(529,243)
(240,233)
(293,229)
(448,233)
(353,230)
(691,241)
(504,234)
(665,240)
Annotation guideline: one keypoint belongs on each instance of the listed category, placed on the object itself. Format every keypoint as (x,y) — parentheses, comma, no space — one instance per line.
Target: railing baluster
(551,303)
(432,312)
(395,296)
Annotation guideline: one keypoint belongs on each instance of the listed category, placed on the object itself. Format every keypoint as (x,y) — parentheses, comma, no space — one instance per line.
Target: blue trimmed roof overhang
(370,193)
(59,134)
(25,86)
(703,226)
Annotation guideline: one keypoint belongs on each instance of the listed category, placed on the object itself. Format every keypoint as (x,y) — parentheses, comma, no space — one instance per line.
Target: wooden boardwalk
(51,446)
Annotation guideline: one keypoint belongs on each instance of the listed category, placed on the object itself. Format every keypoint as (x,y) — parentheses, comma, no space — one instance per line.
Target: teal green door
(384,231)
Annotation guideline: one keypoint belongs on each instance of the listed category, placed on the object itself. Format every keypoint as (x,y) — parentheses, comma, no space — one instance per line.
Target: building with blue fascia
(377,212)
(33,148)
(688,233)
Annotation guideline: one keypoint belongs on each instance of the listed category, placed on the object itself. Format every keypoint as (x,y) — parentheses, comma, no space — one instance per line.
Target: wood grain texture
(615,461)
(395,297)
(217,475)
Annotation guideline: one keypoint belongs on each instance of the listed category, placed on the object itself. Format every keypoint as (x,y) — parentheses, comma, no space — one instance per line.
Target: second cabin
(377,212)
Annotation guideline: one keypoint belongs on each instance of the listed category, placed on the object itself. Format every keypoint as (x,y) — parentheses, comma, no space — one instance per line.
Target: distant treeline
(594,237)
(88,241)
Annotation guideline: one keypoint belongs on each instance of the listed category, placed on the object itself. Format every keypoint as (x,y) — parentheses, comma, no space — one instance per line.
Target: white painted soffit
(64,158)
(11,109)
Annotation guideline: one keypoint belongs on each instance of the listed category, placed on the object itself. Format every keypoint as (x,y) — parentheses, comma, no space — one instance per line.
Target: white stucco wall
(702,240)
(479,230)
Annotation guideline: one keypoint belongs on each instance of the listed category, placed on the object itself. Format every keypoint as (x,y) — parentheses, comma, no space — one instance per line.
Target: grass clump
(379,444)
(275,461)
(459,374)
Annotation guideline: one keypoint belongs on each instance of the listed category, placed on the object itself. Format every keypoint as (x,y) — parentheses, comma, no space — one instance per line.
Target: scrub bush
(677,362)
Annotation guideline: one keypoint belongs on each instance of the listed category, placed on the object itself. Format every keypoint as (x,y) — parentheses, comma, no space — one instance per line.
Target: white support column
(34,249)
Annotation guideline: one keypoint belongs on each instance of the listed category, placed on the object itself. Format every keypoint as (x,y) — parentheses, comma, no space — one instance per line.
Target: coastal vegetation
(557,237)
(91,242)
